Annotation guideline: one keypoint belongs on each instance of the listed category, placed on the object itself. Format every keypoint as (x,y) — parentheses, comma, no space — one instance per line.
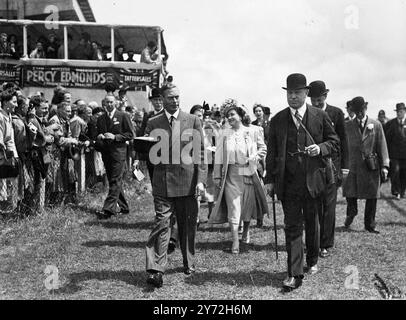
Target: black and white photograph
(202,157)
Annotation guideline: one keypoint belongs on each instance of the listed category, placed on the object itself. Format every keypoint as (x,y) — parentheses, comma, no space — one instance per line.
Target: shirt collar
(364,119)
(111,115)
(324,107)
(156,112)
(301,110)
(175,115)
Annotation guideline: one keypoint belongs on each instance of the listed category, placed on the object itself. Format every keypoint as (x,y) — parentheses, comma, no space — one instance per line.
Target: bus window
(131,41)
(43,42)
(90,42)
(11,41)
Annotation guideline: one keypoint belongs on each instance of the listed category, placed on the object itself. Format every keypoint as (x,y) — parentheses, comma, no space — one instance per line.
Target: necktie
(298,118)
(361,126)
(171,120)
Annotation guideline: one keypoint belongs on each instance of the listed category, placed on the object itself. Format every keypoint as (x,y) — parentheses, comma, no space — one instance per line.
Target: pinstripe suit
(173,186)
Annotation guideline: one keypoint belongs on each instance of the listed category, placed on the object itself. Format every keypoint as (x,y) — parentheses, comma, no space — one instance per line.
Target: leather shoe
(124,211)
(348,221)
(155,279)
(313,269)
(171,246)
(372,230)
(324,253)
(189,270)
(292,283)
(260,223)
(103,215)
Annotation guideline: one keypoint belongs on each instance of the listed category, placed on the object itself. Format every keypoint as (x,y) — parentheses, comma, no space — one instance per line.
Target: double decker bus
(84,58)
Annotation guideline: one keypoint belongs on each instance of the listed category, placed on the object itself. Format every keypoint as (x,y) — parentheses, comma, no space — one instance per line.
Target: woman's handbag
(9,167)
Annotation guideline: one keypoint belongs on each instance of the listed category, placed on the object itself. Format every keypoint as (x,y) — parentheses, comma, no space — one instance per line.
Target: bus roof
(133,37)
(77,23)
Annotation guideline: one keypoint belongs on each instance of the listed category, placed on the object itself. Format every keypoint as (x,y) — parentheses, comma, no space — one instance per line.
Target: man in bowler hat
(327,215)
(395,133)
(176,183)
(368,164)
(300,136)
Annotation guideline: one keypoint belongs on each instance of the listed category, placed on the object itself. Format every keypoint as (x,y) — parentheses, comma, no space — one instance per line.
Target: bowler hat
(155,93)
(357,104)
(317,89)
(267,110)
(400,106)
(296,81)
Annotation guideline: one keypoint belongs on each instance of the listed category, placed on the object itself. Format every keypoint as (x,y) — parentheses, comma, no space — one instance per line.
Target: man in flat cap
(395,134)
(299,137)
(318,95)
(368,164)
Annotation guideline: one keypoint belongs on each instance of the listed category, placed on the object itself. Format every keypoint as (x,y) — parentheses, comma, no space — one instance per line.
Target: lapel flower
(370,126)
(114,119)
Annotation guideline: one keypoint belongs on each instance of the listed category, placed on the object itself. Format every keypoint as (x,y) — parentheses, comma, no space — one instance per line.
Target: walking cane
(274,224)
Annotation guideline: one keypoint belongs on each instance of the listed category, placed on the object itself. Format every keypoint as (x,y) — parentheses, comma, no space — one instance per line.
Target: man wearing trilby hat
(368,164)
(395,134)
(318,95)
(300,136)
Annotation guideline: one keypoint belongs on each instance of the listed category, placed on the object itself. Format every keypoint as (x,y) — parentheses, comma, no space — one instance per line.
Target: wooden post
(80,167)
(65,42)
(25,46)
(42,195)
(112,44)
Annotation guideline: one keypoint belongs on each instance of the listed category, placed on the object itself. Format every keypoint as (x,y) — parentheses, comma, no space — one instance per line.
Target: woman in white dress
(240,193)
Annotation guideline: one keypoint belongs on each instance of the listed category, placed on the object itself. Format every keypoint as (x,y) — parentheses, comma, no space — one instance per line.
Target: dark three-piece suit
(340,160)
(114,154)
(296,180)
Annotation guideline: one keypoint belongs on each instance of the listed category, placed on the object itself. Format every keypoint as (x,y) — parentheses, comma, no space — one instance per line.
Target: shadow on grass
(255,278)
(226,228)
(136,278)
(115,243)
(394,224)
(121,225)
(244,248)
(397,205)
(347,230)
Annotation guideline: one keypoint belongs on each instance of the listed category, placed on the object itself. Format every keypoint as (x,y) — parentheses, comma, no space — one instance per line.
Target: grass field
(106,259)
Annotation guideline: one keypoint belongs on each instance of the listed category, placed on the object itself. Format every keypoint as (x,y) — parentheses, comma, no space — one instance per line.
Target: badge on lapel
(115,121)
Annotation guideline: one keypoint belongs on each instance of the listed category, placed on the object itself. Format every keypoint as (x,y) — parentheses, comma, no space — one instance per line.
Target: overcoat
(361,182)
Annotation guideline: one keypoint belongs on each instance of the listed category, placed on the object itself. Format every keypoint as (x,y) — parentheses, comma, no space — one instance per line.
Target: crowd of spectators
(46,139)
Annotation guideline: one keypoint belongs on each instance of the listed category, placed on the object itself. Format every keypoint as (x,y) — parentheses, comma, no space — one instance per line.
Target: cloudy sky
(245,49)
